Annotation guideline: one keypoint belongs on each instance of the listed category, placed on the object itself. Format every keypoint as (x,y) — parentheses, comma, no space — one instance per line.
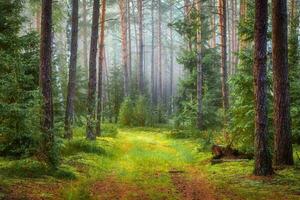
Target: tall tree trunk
(263,160)
(160,83)
(283,151)
(153,91)
(171,57)
(243,13)
(199,69)
(38,20)
(72,73)
(213,24)
(222,12)
(129,41)
(91,103)
(141,46)
(100,67)
(85,35)
(235,35)
(123,21)
(45,79)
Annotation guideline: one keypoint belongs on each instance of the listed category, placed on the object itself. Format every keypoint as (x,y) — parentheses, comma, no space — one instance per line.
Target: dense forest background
(220,73)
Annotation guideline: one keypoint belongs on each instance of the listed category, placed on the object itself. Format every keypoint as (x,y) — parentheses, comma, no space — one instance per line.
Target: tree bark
(69,116)
(153,91)
(129,41)
(199,70)
(123,21)
(283,151)
(46,79)
(223,28)
(263,160)
(141,47)
(85,35)
(171,56)
(100,67)
(160,83)
(91,103)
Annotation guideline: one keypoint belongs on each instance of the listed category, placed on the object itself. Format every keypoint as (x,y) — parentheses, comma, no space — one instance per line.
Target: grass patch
(82,146)
(109,130)
(30,168)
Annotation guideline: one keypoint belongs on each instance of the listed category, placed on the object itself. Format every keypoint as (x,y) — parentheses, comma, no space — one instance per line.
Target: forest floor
(141,164)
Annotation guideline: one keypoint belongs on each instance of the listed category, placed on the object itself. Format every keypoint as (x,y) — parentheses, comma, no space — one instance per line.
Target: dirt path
(153,167)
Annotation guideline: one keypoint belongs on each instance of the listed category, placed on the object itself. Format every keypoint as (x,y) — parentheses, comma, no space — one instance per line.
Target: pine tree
(91,103)
(283,151)
(100,68)
(263,160)
(72,73)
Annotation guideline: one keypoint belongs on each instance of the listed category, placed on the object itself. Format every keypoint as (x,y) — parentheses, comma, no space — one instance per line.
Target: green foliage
(82,146)
(109,130)
(241,127)
(186,100)
(126,112)
(30,168)
(135,113)
(141,111)
(115,93)
(19,95)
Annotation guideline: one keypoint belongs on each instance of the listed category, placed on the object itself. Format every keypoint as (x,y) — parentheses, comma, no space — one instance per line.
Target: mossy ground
(141,163)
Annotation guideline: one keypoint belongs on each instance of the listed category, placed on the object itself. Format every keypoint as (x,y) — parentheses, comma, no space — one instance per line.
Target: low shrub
(109,130)
(82,145)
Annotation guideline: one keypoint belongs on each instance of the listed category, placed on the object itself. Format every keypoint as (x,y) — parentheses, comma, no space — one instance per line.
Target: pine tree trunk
(212,24)
(153,91)
(160,83)
(129,41)
(91,103)
(72,73)
(243,13)
(141,47)
(122,5)
(283,151)
(263,160)
(171,57)
(38,21)
(45,79)
(85,35)
(199,70)
(222,13)
(100,67)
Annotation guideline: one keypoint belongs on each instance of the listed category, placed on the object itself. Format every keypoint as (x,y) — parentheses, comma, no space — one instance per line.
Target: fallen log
(219,152)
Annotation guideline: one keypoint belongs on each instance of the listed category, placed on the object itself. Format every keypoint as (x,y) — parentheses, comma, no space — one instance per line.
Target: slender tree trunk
(199,70)
(38,21)
(136,36)
(46,79)
(72,73)
(153,91)
(187,6)
(263,160)
(222,12)
(122,5)
(129,40)
(160,83)
(171,57)
(100,67)
(85,35)
(91,103)
(213,24)
(228,37)
(283,151)
(243,13)
(141,46)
